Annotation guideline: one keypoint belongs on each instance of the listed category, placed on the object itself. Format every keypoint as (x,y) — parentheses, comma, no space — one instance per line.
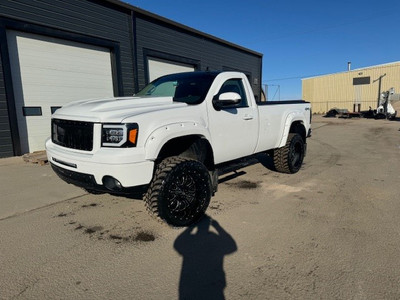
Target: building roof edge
(355,70)
(181,26)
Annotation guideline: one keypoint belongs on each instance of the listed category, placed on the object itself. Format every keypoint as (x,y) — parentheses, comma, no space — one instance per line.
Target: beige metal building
(355,90)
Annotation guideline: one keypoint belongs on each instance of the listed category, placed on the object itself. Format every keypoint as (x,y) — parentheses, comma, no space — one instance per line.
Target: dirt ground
(331,231)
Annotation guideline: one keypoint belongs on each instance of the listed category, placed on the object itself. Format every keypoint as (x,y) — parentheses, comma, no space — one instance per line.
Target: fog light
(111,183)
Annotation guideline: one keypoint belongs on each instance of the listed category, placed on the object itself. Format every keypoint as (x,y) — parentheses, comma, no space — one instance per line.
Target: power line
(296,77)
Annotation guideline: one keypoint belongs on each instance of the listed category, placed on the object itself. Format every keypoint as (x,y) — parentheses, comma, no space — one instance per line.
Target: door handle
(248,117)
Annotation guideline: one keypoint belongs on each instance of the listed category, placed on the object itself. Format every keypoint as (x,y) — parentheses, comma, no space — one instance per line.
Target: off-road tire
(179,192)
(289,158)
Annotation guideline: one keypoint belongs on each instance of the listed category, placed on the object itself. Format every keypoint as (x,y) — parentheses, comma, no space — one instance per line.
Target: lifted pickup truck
(171,137)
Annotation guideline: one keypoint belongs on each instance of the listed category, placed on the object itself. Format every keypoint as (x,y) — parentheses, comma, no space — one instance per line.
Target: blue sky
(297,38)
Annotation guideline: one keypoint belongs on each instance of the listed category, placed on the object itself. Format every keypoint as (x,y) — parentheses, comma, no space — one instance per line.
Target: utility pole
(379,87)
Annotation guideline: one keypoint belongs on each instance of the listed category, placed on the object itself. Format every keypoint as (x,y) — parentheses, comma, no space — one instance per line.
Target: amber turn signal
(133,135)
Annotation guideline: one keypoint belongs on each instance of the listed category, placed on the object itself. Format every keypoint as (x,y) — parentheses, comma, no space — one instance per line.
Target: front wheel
(289,158)
(180,191)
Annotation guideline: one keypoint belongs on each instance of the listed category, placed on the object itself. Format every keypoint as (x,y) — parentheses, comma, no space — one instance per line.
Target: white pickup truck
(171,138)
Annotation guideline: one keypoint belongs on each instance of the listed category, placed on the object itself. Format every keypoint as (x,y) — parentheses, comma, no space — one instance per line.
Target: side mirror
(226,100)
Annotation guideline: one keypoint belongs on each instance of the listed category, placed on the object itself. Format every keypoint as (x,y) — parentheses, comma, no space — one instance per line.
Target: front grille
(72,134)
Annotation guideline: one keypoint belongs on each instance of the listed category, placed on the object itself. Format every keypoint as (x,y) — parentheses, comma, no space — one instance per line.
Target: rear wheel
(180,191)
(289,158)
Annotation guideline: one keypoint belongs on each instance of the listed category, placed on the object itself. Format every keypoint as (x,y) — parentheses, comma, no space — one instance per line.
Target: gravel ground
(331,231)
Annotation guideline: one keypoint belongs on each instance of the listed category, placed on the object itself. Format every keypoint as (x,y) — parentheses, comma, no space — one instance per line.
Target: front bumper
(82,180)
(89,170)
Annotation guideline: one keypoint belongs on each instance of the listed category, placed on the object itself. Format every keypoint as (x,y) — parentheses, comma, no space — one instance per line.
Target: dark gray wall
(95,19)
(6,148)
(104,20)
(151,34)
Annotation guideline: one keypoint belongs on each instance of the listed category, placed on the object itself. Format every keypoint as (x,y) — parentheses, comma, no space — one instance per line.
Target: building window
(361,80)
(31,111)
(54,108)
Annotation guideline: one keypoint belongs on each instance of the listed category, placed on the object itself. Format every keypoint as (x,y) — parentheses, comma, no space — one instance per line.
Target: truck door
(234,130)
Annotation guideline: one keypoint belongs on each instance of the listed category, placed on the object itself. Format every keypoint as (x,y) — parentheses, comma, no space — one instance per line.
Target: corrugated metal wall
(83,17)
(88,18)
(215,56)
(107,21)
(337,90)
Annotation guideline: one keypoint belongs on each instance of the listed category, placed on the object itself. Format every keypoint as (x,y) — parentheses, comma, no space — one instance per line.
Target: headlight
(119,135)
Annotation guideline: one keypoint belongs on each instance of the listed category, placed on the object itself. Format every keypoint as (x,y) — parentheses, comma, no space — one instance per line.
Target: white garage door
(49,72)
(160,67)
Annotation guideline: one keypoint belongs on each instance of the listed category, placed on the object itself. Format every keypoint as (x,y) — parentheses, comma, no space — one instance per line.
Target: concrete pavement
(27,186)
(331,231)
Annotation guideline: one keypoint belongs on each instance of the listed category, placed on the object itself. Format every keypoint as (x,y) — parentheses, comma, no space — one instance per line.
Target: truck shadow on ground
(135,193)
(235,166)
(202,275)
(266,160)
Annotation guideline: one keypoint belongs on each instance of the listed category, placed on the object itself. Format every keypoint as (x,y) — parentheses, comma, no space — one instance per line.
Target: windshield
(190,88)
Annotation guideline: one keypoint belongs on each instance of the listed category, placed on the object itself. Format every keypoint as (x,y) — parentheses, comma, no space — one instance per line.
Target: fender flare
(290,119)
(160,136)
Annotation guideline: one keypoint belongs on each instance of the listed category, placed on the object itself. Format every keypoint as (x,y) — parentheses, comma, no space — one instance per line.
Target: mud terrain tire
(180,191)
(289,158)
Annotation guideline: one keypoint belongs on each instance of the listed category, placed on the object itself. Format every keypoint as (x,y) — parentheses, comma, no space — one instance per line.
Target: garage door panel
(80,77)
(161,67)
(53,91)
(43,76)
(68,64)
(49,45)
(50,72)
(40,82)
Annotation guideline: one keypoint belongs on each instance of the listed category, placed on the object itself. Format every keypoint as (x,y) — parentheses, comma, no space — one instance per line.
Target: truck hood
(114,110)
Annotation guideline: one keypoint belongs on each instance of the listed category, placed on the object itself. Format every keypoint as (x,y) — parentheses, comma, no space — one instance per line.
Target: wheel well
(298,127)
(191,146)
